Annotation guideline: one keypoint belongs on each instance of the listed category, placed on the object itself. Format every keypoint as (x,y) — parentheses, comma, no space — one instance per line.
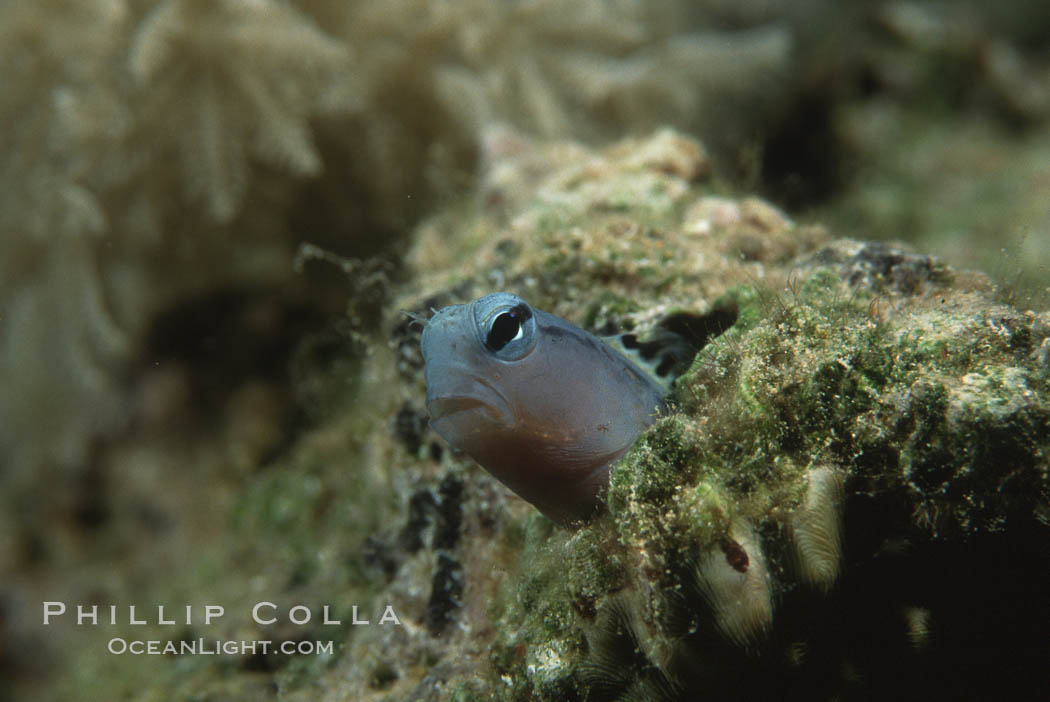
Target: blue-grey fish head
(463,350)
(543,405)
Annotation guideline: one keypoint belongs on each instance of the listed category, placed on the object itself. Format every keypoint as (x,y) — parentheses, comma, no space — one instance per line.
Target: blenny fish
(543,405)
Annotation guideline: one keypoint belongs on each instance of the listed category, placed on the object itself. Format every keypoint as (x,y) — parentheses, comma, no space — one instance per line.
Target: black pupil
(505,327)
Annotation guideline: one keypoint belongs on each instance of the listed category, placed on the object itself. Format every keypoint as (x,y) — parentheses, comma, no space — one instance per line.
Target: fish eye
(506,327)
(509,332)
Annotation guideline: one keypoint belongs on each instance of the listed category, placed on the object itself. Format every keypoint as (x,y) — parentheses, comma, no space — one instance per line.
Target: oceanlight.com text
(216,647)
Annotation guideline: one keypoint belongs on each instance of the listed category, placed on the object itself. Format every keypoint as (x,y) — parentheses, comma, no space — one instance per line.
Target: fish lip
(457,417)
(442,406)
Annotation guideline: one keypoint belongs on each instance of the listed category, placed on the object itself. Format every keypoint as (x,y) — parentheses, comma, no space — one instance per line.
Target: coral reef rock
(856,458)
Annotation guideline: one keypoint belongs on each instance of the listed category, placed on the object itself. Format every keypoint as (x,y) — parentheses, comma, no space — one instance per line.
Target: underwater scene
(468,350)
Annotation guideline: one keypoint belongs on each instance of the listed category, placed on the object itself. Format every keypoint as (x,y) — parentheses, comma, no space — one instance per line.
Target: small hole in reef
(695,331)
(700,329)
(666,364)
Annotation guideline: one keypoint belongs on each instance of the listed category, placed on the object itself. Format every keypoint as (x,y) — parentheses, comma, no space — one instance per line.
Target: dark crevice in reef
(677,338)
(697,331)
(901,623)
(804,157)
(231,335)
(907,624)
(232,340)
(700,330)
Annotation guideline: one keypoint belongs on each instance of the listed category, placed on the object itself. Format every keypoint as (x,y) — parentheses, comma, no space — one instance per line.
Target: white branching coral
(60,351)
(116,113)
(58,343)
(224,81)
(596,68)
(589,70)
(510,58)
(48,48)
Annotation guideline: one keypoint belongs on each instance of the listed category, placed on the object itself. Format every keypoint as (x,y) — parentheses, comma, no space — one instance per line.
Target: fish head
(467,350)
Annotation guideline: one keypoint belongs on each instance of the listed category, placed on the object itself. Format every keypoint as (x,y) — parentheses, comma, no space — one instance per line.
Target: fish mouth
(462,419)
(453,393)
(445,407)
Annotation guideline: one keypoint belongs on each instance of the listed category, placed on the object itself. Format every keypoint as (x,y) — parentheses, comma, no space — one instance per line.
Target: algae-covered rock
(847,496)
